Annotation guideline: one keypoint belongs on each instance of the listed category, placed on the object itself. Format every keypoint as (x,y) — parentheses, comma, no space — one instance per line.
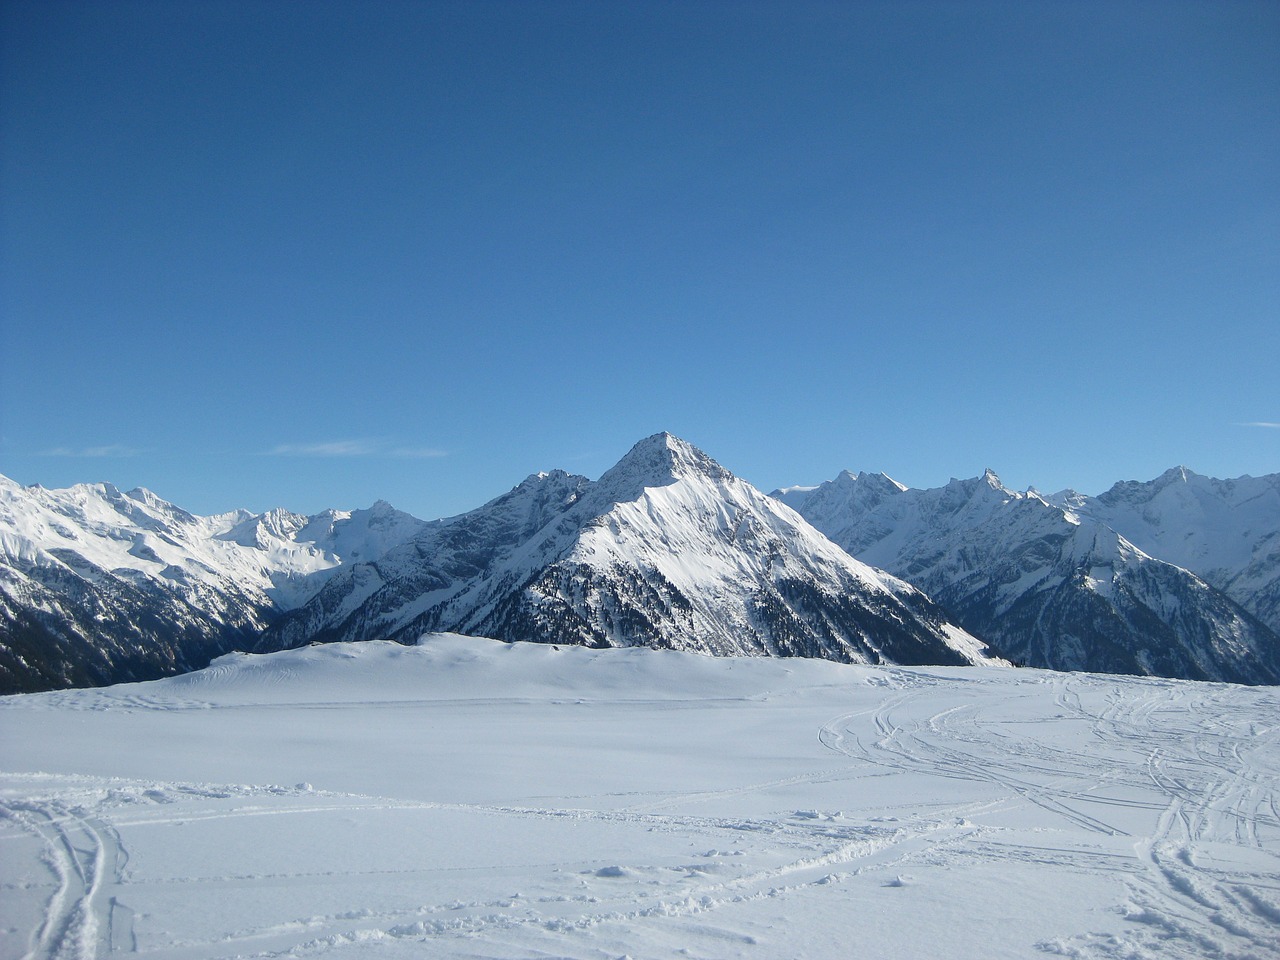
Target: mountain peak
(667,444)
(1178,474)
(1142,491)
(881,482)
(986,483)
(659,461)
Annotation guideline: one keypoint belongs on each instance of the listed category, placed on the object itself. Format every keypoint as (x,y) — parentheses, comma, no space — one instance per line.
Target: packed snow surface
(465,798)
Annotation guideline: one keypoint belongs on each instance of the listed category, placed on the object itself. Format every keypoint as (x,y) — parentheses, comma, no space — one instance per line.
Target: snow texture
(465,798)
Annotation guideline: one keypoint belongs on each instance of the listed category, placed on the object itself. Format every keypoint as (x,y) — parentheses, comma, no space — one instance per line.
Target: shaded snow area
(465,798)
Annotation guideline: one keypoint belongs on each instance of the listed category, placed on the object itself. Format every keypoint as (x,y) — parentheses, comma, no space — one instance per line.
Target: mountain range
(1177,577)
(1055,582)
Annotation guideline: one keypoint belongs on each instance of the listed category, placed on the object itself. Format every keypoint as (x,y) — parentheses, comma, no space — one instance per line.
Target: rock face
(668,548)
(1044,583)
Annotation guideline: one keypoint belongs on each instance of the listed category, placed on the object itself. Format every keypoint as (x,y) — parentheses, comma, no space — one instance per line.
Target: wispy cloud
(109,450)
(418,453)
(1262,423)
(365,447)
(331,448)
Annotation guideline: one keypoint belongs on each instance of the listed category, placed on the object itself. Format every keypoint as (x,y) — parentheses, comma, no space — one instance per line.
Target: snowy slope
(97,585)
(1225,531)
(466,798)
(1041,584)
(139,532)
(667,548)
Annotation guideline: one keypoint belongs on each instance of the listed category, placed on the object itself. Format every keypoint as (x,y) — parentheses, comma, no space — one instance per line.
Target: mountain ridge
(1045,583)
(98,585)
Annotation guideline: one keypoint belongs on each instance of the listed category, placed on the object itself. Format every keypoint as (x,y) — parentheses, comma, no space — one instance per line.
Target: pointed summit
(659,461)
(1178,474)
(668,548)
(881,482)
(977,493)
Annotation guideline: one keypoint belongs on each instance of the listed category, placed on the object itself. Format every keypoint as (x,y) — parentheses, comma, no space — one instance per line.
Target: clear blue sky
(315,254)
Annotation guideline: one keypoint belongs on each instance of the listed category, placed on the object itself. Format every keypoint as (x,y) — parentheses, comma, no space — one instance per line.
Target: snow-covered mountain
(668,548)
(1225,531)
(1044,583)
(1177,577)
(98,586)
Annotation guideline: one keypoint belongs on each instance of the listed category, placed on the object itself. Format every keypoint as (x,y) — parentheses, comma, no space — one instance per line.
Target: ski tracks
(752,860)
(86,858)
(1202,776)
(956,743)
(1221,793)
(1172,788)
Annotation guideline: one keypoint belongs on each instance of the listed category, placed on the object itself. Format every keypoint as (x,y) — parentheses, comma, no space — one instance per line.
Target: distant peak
(543,486)
(857,492)
(1178,474)
(1139,490)
(547,478)
(985,486)
(880,481)
(660,442)
(669,452)
(149,498)
(845,480)
(281,523)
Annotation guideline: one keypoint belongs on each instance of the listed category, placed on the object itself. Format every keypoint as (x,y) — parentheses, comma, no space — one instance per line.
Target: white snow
(278,557)
(465,798)
(1226,531)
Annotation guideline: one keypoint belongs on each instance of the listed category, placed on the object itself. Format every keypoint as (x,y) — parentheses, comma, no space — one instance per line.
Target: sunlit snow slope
(1046,585)
(466,798)
(99,585)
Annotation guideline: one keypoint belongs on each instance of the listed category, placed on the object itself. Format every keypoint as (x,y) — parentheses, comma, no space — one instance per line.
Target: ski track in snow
(1166,789)
(85,857)
(1219,786)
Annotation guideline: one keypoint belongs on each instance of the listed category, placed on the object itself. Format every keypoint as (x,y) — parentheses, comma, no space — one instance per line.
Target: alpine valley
(1179,577)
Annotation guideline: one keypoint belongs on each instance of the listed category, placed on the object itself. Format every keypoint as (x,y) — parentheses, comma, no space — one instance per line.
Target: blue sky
(316,254)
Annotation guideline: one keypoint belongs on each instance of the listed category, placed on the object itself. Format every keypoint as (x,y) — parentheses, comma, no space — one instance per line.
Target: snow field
(465,798)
